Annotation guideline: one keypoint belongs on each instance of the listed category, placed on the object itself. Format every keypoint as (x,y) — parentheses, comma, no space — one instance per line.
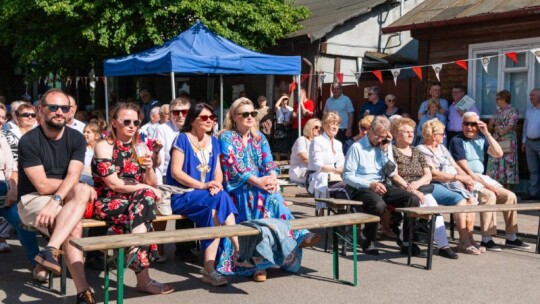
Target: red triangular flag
(418,72)
(513,56)
(339,77)
(378,74)
(292,86)
(303,77)
(462,63)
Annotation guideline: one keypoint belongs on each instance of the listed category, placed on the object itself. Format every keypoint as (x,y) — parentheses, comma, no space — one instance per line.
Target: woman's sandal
(467,248)
(214,278)
(40,275)
(243,263)
(310,240)
(259,276)
(481,249)
(155,287)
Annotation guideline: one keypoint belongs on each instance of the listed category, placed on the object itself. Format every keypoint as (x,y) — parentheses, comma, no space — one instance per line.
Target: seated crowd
(46,169)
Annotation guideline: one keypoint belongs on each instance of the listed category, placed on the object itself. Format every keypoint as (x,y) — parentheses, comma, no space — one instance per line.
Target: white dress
(297,169)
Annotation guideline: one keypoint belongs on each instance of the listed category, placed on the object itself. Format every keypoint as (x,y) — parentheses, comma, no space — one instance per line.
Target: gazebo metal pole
(299,98)
(173,86)
(106,99)
(221,102)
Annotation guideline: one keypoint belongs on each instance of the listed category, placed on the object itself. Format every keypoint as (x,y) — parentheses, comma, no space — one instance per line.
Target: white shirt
(298,168)
(167,134)
(78,125)
(320,154)
(531,129)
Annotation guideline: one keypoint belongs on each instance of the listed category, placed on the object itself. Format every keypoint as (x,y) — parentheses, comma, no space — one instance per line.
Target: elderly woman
(450,183)
(195,164)
(503,124)
(326,160)
(391,108)
(251,180)
(414,175)
(300,151)
(26,120)
(433,111)
(126,198)
(364,125)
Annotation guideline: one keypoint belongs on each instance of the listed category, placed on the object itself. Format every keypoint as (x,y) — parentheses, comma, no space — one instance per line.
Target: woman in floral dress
(251,180)
(505,170)
(126,201)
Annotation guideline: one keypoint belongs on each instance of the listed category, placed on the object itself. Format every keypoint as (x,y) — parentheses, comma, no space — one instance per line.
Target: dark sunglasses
(364,129)
(391,100)
(54,108)
(127,122)
(26,115)
(316,127)
(206,117)
(369,94)
(177,112)
(470,124)
(246,114)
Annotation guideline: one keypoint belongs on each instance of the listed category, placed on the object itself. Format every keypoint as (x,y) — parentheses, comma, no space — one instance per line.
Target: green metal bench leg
(107,282)
(335,252)
(355,256)
(120,279)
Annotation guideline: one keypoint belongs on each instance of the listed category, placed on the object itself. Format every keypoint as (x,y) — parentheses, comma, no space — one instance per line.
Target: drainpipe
(309,77)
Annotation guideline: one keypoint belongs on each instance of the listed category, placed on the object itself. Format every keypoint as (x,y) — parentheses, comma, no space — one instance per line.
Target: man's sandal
(310,240)
(155,287)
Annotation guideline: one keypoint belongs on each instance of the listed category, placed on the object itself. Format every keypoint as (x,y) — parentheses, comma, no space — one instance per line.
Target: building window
(503,74)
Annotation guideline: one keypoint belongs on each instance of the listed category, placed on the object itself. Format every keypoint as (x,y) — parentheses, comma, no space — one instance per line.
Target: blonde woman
(364,125)
(251,180)
(300,151)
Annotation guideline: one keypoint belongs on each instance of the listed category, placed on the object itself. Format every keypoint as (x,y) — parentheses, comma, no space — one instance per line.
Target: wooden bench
(118,243)
(432,212)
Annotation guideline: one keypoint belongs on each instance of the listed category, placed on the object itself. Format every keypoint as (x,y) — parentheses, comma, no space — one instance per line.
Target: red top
(308,104)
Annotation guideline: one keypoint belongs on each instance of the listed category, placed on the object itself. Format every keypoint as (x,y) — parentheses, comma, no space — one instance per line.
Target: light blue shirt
(364,164)
(531,129)
(423,106)
(343,106)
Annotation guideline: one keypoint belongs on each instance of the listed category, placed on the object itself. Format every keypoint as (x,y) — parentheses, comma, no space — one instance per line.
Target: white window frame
(502,47)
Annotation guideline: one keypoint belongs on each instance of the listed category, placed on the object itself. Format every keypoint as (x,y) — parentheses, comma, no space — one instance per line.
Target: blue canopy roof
(198,50)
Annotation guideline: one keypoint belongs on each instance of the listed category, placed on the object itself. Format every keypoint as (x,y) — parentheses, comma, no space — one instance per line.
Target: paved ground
(510,276)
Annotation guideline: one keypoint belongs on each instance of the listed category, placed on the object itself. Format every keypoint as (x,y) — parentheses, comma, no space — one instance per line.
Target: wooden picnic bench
(431,212)
(118,243)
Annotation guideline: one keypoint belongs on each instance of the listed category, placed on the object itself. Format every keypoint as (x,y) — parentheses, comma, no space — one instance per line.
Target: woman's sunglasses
(127,122)
(246,114)
(316,127)
(53,108)
(207,117)
(177,112)
(26,115)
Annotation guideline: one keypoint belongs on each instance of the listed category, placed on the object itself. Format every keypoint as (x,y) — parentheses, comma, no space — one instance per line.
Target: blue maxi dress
(239,163)
(198,204)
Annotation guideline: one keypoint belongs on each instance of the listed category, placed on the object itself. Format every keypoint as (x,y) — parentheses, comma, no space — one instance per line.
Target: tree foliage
(64,35)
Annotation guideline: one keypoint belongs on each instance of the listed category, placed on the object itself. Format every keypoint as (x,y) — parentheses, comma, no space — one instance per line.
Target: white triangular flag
(485,63)
(536,53)
(357,77)
(437,68)
(321,82)
(395,74)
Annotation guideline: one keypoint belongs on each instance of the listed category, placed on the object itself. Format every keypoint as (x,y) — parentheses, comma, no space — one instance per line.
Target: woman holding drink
(123,181)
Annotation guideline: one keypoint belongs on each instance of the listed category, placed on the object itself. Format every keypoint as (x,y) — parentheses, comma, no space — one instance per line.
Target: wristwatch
(58,199)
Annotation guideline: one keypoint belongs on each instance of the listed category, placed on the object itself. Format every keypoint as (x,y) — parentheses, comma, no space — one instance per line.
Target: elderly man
(374,106)
(368,166)
(147,104)
(343,105)
(148,130)
(454,126)
(164,114)
(531,142)
(72,122)
(52,200)
(468,150)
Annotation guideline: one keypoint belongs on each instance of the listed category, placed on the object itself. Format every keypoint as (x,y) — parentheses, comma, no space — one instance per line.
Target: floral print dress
(505,170)
(124,211)
(239,163)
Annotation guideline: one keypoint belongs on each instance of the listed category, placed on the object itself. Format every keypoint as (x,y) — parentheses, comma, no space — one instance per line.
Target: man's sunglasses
(246,114)
(53,108)
(127,122)
(470,124)
(206,117)
(26,115)
(177,112)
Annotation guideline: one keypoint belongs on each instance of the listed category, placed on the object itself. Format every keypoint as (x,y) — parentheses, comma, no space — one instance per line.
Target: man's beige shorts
(29,208)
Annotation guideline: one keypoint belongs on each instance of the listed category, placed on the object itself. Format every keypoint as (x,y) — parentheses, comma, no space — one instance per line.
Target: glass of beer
(140,151)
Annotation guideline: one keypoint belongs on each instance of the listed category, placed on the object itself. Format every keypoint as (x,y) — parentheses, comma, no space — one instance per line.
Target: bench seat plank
(92,223)
(468,209)
(202,233)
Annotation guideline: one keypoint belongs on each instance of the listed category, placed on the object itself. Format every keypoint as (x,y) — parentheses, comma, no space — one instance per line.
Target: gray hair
(380,123)
(154,111)
(164,107)
(470,114)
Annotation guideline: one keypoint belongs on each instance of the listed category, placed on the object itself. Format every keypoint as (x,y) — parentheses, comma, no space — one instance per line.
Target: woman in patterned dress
(505,170)
(126,198)
(195,164)
(251,180)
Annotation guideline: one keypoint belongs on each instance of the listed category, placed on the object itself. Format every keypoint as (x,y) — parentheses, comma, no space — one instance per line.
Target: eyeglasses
(27,114)
(206,117)
(246,114)
(364,129)
(455,92)
(316,127)
(369,94)
(177,112)
(438,134)
(163,113)
(127,122)
(53,108)
(406,131)
(391,100)
(470,124)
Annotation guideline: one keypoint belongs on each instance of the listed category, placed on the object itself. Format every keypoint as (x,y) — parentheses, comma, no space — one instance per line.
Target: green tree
(61,36)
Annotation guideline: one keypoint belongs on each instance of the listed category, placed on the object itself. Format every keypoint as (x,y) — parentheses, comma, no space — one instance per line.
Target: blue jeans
(532,152)
(446,197)
(28,239)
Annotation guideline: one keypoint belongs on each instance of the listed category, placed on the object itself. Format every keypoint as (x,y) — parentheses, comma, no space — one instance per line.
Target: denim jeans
(28,239)
(532,152)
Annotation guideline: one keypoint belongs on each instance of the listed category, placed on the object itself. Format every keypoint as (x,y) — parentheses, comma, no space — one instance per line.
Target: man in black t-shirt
(52,200)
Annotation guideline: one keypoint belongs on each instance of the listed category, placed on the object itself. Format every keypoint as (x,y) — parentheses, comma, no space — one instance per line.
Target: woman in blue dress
(195,164)
(251,180)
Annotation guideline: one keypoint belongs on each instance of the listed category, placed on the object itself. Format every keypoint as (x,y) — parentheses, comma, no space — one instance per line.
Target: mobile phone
(385,141)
